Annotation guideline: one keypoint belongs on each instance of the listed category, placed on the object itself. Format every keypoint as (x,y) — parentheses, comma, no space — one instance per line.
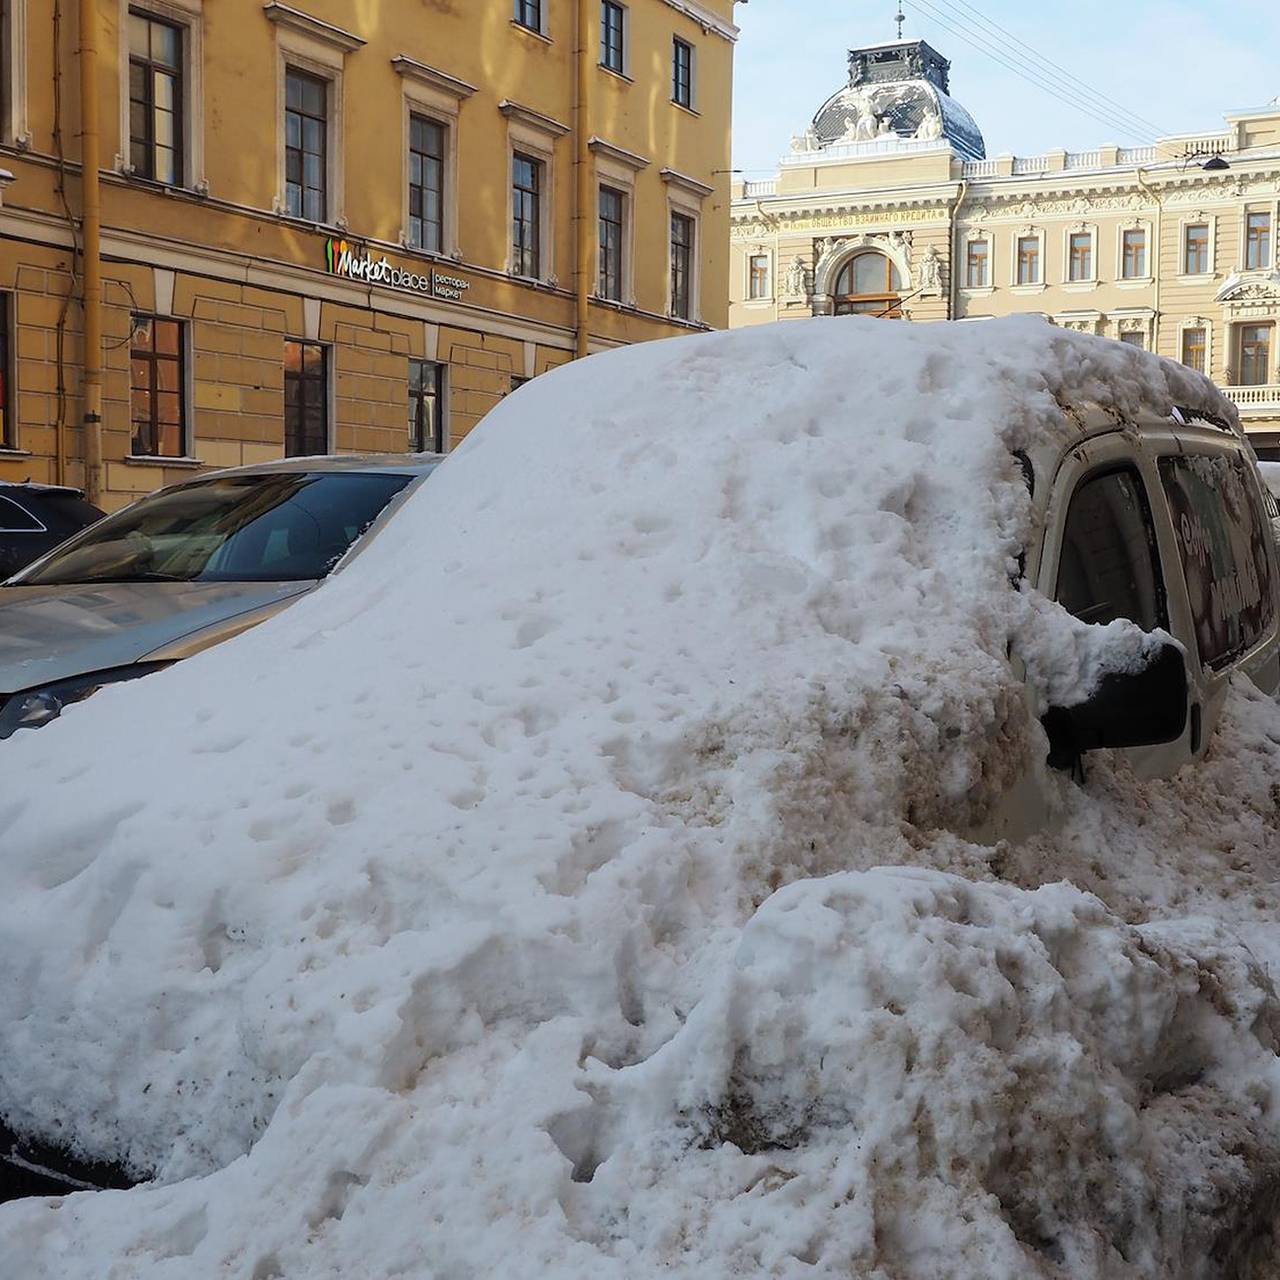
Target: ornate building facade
(236,229)
(888,205)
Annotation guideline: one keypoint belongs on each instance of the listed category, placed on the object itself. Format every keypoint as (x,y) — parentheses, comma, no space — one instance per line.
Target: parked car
(34,518)
(183,569)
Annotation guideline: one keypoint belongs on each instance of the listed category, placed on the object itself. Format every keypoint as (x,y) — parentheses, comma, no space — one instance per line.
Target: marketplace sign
(344,259)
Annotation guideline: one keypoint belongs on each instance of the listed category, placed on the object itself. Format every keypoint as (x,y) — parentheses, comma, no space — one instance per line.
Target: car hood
(57,632)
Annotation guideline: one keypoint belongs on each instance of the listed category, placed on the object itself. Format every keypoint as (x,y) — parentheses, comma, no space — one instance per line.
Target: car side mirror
(1133,709)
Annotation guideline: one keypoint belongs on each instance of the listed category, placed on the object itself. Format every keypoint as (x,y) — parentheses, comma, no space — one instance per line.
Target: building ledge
(287,16)
(412,69)
(155,460)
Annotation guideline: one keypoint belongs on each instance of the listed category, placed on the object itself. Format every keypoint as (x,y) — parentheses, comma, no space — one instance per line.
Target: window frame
(1020,259)
(977,263)
(1139,257)
(1258,252)
(538,8)
(8,368)
(442,161)
(188,17)
(622,28)
(153,359)
(682,304)
(1101,471)
(614,255)
(689,86)
(517,249)
(764,279)
(325,380)
(882,305)
(1091,276)
(440,392)
(306,75)
(178,73)
(1184,252)
(1203,331)
(1269,328)
(14,131)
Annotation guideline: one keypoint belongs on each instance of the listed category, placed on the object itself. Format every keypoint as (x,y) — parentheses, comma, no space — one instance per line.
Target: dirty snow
(579,885)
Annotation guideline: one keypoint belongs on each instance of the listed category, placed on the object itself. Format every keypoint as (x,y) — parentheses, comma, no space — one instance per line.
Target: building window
(156,389)
(426,406)
(1257,241)
(1134,338)
(1133,255)
(306,146)
(1255,355)
(306,399)
(426,184)
(613,36)
(155,98)
(758,276)
(1195,249)
(526,216)
(682,73)
(529,14)
(869,284)
(1080,256)
(1028,259)
(1194,348)
(7,432)
(682,266)
(612,207)
(977,267)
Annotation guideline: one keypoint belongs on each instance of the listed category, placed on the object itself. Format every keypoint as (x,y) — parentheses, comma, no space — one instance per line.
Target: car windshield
(272,527)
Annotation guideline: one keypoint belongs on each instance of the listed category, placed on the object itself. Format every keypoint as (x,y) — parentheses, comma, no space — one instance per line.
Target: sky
(1178,64)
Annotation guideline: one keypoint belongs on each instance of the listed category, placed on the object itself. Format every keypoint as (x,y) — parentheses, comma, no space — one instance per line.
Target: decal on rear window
(1222,540)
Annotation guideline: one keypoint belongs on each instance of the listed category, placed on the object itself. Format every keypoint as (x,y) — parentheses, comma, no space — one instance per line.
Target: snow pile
(509,906)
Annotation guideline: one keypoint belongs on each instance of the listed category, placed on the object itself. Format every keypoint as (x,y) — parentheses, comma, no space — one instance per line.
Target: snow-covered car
(185,568)
(648,860)
(34,518)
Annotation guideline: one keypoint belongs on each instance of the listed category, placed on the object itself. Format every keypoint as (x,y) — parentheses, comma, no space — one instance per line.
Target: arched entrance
(868,284)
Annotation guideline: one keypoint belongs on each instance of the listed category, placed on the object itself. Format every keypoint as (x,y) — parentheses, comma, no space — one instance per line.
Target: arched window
(868,284)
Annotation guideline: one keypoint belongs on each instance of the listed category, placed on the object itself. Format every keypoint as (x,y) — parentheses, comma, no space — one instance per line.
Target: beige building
(889,205)
(317,225)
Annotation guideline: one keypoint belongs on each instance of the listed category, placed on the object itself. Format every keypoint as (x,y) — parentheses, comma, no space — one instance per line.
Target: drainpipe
(1153,259)
(582,163)
(953,267)
(92,228)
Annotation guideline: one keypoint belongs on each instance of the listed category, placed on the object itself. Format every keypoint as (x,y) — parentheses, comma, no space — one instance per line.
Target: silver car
(184,569)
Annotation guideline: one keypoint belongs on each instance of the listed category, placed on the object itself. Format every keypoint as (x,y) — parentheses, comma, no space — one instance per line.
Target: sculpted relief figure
(931,273)
(796,278)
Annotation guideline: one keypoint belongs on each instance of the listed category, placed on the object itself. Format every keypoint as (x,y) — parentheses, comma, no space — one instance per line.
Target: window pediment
(287,16)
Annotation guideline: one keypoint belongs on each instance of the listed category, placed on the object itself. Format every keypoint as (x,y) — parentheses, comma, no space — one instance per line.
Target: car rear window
(15,518)
(1222,540)
(280,526)
(70,509)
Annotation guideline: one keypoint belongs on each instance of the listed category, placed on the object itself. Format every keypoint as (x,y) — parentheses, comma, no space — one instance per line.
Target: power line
(1036,56)
(1097,93)
(1034,76)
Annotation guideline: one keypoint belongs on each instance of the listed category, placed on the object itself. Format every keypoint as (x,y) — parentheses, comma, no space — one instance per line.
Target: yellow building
(346,225)
(888,204)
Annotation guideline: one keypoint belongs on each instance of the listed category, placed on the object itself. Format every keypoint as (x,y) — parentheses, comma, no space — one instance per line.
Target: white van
(1161,520)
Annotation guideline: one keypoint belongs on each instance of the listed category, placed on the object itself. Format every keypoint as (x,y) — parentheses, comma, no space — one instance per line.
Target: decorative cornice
(674,178)
(412,69)
(534,119)
(708,21)
(287,16)
(619,155)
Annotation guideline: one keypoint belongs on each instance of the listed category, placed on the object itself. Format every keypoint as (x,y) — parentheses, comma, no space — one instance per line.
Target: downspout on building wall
(584,222)
(91,210)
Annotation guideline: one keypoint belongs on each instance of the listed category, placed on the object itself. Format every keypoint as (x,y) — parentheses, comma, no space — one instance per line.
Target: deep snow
(576,886)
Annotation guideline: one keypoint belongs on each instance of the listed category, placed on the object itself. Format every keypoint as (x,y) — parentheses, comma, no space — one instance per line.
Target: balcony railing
(766,187)
(1255,399)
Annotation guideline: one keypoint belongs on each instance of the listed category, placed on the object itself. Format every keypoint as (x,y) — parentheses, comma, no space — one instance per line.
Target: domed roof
(897,90)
